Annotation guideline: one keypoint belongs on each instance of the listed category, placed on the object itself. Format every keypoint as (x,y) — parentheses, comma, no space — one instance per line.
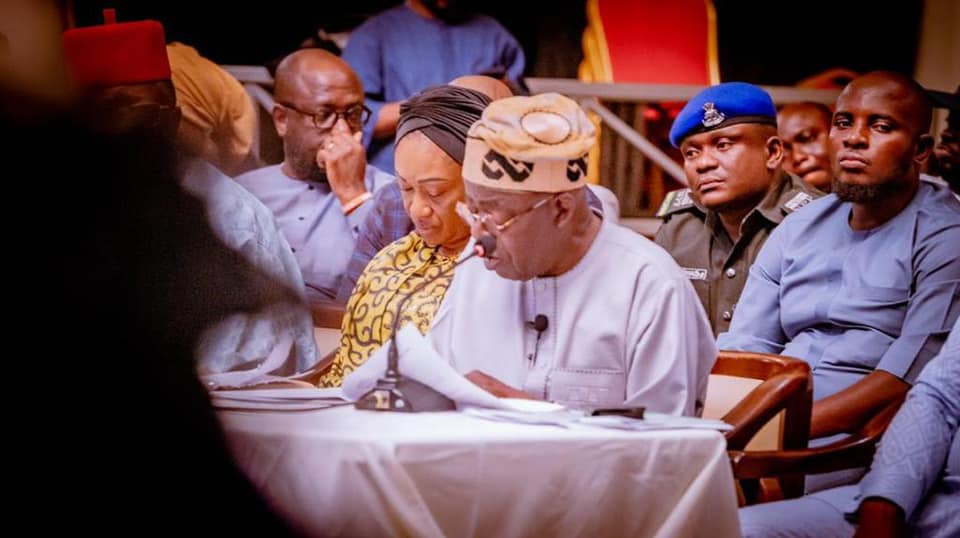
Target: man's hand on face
(344,159)
(495,386)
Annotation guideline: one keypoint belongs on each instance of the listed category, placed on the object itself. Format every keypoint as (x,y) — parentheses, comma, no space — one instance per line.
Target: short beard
(454,13)
(861,194)
(307,168)
(858,194)
(315,173)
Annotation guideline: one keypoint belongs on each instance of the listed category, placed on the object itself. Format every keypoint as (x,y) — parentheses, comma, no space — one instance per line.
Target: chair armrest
(786,387)
(763,403)
(328,316)
(854,451)
(755,365)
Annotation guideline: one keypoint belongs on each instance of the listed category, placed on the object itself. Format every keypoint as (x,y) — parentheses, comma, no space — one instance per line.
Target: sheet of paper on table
(575,418)
(292,399)
(419,361)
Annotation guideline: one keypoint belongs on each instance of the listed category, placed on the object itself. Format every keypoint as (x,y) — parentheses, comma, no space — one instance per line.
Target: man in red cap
(124,75)
(142,275)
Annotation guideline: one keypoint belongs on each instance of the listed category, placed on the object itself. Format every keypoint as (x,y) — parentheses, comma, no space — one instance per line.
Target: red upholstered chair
(645,41)
(651,41)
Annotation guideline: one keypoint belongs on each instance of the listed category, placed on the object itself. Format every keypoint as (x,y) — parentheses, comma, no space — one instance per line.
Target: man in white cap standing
(570,308)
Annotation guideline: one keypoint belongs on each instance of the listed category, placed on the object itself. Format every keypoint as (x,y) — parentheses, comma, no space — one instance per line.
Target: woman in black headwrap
(431,137)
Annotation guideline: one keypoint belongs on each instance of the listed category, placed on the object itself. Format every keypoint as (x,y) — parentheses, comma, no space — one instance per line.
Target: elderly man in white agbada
(569,308)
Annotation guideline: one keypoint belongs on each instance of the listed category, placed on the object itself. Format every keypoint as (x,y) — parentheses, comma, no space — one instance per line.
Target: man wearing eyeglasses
(569,307)
(320,192)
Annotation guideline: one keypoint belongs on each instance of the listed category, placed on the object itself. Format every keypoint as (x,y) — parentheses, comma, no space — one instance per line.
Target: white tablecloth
(343,472)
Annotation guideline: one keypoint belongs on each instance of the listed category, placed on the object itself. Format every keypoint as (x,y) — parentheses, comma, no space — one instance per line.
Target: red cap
(116,54)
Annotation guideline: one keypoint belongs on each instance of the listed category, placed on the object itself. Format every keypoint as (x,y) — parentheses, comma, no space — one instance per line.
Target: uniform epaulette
(675,201)
(798,200)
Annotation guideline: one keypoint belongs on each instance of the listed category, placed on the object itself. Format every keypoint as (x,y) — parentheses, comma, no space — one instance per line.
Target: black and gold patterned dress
(372,308)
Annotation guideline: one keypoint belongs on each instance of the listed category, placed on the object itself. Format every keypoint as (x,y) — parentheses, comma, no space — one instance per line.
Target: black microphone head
(540,323)
(485,246)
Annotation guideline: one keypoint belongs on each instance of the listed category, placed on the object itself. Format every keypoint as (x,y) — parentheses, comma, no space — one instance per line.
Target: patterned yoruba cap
(535,143)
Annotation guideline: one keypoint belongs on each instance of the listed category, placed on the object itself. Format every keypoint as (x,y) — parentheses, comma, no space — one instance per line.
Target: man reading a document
(569,307)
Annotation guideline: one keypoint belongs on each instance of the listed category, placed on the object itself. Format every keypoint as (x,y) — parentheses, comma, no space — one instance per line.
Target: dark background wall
(814,34)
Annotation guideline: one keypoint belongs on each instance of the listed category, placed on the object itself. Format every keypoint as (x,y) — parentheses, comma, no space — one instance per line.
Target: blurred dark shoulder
(116,273)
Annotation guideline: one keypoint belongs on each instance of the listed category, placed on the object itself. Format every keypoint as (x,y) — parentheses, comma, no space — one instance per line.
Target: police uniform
(716,266)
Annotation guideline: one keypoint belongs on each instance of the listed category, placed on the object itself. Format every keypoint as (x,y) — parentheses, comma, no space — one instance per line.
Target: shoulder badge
(797,201)
(675,201)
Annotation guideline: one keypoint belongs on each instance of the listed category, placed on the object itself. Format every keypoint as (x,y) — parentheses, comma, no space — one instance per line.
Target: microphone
(540,323)
(395,393)
(483,248)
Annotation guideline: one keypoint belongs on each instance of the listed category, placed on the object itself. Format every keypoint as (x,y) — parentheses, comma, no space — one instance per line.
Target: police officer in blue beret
(738,193)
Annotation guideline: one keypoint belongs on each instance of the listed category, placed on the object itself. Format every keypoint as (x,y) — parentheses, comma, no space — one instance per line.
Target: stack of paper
(564,418)
(293,399)
(655,421)
(575,418)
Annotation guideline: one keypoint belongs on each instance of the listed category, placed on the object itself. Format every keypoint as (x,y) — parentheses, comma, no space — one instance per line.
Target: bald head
(489,86)
(906,98)
(306,70)
(804,129)
(879,138)
(807,108)
(318,98)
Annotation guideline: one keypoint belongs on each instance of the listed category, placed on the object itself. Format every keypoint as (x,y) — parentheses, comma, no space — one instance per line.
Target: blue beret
(723,105)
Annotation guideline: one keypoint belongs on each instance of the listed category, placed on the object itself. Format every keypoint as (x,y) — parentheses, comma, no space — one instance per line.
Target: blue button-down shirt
(398,53)
(850,302)
(385,222)
(312,220)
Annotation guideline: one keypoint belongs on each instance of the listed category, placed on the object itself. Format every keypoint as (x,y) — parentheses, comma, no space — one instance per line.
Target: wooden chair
(326,327)
(762,394)
(326,331)
(853,451)
(768,444)
(328,316)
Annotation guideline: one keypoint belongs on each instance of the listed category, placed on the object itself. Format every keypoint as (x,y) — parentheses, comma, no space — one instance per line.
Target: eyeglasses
(472,218)
(325,118)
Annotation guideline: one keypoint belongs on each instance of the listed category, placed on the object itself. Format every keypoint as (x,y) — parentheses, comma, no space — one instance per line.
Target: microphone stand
(387,395)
